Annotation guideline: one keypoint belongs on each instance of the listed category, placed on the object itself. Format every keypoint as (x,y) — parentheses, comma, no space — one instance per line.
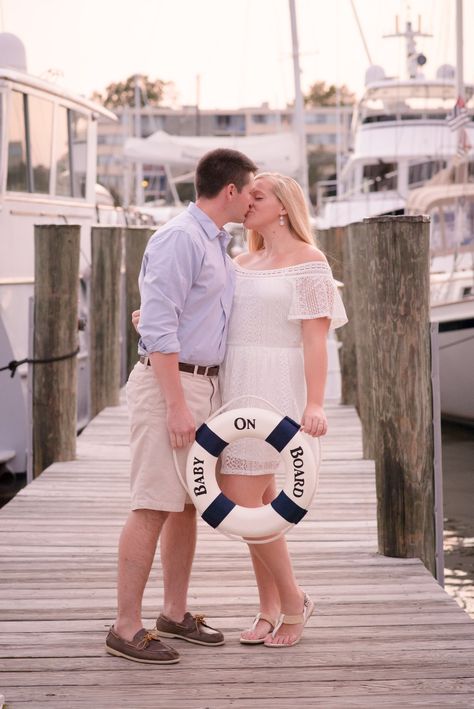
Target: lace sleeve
(316,296)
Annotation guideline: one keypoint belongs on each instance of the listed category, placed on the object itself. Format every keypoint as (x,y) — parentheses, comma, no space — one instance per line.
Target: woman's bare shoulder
(309,253)
(244,258)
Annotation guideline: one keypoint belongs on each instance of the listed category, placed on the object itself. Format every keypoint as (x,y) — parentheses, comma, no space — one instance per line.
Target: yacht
(401,137)
(404,157)
(48,141)
(450,206)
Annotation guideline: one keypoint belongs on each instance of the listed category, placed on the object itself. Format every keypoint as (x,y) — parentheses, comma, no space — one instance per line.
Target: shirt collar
(211,229)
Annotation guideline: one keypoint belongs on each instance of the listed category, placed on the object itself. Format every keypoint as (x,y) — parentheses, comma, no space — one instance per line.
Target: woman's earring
(282,220)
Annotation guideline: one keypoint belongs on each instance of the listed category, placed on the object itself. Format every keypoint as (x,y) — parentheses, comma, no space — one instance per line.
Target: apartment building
(327,130)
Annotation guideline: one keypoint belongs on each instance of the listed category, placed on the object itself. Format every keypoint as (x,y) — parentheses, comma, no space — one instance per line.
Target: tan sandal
(258,641)
(308,608)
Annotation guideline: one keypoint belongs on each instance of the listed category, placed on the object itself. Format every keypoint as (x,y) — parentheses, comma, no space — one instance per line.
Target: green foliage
(122,93)
(322,94)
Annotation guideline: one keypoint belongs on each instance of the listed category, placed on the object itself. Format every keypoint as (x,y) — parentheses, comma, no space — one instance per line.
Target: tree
(322,94)
(122,93)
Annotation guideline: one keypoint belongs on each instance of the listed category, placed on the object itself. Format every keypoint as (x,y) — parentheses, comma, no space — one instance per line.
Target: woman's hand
(314,420)
(135,319)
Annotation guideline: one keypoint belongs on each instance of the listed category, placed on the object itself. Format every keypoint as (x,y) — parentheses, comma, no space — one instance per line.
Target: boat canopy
(277,152)
(424,199)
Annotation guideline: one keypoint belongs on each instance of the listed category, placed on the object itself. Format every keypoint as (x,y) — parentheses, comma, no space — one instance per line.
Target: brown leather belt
(211,371)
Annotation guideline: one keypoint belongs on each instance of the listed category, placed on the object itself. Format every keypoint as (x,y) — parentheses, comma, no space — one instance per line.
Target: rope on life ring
(290,505)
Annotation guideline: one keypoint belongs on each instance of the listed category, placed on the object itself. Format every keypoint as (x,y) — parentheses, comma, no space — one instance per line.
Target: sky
(240,49)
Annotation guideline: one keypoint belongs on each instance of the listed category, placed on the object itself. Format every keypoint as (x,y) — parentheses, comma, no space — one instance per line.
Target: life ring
(290,505)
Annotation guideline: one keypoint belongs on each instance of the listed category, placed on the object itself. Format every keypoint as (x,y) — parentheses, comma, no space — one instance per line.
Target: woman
(285,301)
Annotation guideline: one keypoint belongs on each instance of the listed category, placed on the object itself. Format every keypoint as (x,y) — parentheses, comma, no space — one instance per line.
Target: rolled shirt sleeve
(171,264)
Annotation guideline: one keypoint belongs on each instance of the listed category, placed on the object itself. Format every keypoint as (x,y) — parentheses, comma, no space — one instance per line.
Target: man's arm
(172,267)
(180,421)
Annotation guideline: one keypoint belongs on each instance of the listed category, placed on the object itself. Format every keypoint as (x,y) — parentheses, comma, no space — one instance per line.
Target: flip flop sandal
(308,608)
(258,641)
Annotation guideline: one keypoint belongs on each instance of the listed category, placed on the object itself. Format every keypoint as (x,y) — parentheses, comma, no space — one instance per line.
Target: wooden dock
(384,634)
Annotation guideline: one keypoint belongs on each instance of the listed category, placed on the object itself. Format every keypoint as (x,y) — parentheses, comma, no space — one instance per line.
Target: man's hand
(135,319)
(181,425)
(314,420)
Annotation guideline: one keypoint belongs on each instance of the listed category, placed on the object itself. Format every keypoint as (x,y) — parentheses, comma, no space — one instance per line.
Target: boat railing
(326,190)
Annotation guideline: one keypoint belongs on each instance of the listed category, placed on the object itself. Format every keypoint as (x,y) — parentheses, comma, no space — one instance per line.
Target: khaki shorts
(154,481)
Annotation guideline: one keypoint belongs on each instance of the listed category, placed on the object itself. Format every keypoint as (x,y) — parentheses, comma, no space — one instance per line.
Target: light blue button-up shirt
(186,286)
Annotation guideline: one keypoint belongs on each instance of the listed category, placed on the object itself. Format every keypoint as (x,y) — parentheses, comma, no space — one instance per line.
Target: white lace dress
(264,348)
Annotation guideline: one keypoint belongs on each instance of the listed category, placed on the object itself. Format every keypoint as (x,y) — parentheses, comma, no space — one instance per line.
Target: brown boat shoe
(145,647)
(192,628)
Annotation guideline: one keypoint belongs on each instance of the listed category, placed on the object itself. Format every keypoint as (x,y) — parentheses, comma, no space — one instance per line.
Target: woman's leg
(272,564)
(254,491)
(276,559)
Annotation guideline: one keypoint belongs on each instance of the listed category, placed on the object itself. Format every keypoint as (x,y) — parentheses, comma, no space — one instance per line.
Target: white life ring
(290,505)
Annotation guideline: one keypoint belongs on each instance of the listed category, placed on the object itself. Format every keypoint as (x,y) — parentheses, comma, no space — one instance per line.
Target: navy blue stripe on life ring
(218,510)
(283,433)
(210,441)
(288,509)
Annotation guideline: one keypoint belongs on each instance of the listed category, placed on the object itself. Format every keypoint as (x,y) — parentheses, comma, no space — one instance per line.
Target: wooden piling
(398,332)
(348,354)
(360,295)
(330,242)
(54,405)
(334,243)
(104,317)
(136,239)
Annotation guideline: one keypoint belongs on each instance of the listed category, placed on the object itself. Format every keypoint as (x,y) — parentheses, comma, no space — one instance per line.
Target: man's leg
(177,545)
(137,548)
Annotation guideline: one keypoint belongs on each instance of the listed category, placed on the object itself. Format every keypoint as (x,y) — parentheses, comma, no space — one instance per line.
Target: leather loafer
(145,647)
(192,628)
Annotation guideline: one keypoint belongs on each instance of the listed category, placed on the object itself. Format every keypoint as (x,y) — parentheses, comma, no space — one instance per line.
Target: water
(458,490)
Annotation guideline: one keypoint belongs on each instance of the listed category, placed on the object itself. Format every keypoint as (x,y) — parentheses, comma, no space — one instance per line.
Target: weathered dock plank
(384,633)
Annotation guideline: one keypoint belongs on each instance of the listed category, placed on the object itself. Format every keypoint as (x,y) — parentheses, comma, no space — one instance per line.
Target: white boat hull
(456,359)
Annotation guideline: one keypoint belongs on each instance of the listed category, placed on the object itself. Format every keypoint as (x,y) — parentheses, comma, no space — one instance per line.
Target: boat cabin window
(71,153)
(17,176)
(30,147)
(40,120)
(380,177)
(470,171)
(29,143)
(452,227)
(419,173)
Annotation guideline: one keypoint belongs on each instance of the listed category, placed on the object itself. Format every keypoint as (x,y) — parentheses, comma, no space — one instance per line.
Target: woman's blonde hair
(290,194)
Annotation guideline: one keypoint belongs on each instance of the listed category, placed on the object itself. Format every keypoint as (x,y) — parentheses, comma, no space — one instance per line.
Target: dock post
(136,239)
(346,334)
(104,317)
(398,330)
(360,295)
(335,245)
(54,406)
(330,241)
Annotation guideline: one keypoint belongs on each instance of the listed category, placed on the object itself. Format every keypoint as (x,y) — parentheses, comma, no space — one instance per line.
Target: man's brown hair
(222,167)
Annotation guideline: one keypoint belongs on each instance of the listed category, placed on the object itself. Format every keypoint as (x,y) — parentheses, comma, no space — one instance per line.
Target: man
(186,287)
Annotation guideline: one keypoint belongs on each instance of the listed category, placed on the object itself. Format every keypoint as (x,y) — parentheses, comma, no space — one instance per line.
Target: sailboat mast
(459,51)
(298,112)
(139,199)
